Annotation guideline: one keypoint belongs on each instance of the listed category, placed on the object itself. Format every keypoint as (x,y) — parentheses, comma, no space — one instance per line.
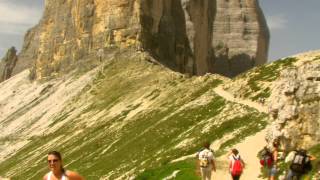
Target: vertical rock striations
(240,37)
(73,31)
(225,37)
(189,36)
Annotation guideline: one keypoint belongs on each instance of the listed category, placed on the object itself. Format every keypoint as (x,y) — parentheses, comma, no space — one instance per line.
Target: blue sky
(293,24)
(16,16)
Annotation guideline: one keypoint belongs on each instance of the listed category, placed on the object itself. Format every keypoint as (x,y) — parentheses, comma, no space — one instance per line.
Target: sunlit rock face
(189,36)
(295,107)
(73,31)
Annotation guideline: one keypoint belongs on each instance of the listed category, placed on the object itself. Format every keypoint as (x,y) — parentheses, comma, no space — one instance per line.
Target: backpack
(204,160)
(266,159)
(237,167)
(301,163)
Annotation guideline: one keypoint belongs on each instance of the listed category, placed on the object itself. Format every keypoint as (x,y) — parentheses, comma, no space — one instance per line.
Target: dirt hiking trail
(248,148)
(221,92)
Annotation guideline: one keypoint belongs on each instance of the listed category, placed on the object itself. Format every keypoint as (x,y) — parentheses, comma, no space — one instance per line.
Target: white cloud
(277,22)
(17,19)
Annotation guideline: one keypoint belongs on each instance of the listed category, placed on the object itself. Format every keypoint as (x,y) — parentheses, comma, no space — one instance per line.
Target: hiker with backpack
(300,164)
(236,164)
(266,158)
(206,162)
(273,171)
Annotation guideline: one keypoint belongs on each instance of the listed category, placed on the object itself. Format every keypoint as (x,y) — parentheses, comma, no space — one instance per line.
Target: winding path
(221,92)
(248,148)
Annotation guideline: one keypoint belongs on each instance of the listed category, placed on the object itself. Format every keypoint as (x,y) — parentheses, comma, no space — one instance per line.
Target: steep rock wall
(72,31)
(295,106)
(189,36)
(240,37)
(30,51)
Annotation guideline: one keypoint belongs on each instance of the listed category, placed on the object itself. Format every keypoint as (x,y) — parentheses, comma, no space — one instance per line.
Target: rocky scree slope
(129,118)
(188,36)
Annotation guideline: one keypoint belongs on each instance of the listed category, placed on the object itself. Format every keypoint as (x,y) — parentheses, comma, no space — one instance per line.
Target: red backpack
(266,158)
(237,167)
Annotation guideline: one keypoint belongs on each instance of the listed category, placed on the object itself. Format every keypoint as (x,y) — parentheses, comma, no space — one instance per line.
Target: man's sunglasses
(53,161)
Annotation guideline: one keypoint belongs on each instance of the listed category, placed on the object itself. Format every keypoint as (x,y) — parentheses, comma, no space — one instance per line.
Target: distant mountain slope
(128,116)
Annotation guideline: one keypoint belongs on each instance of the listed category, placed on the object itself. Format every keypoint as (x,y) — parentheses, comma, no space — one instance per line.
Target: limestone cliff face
(72,31)
(295,106)
(189,36)
(30,50)
(225,37)
(8,63)
(240,37)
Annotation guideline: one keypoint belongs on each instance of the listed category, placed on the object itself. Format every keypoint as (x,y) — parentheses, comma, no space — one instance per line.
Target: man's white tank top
(62,178)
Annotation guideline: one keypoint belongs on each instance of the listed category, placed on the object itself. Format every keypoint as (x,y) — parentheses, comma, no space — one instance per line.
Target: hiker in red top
(236,164)
(266,158)
(273,170)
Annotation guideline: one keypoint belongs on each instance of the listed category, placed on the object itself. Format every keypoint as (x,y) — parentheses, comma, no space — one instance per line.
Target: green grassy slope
(257,83)
(132,121)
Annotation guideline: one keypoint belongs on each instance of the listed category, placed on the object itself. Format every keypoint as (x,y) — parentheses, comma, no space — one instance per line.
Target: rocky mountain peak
(195,37)
(8,63)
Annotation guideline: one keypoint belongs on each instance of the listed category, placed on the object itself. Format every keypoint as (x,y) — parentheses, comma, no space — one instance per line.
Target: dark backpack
(266,159)
(301,163)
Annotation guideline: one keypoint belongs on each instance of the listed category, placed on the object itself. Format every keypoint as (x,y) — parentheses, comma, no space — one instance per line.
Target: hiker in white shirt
(57,171)
(206,162)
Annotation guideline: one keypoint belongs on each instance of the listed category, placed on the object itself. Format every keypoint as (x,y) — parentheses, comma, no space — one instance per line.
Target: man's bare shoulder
(73,175)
